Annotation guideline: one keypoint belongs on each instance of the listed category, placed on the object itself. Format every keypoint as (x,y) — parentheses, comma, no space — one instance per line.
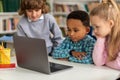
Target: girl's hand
(78,55)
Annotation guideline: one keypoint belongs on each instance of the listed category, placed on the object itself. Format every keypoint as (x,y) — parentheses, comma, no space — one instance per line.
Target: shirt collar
(41,17)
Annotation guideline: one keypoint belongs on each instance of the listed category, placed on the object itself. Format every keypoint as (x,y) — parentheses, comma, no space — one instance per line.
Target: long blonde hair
(109,10)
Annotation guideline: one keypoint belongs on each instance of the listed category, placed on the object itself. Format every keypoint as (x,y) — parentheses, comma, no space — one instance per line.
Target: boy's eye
(37,10)
(68,30)
(76,30)
(29,10)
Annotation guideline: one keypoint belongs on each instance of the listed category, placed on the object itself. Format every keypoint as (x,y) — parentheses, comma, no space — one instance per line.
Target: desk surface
(78,72)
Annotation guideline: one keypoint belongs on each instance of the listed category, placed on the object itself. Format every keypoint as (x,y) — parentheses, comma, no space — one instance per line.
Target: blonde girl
(105,20)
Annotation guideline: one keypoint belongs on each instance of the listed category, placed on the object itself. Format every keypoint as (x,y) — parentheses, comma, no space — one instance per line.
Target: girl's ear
(111,22)
(87,29)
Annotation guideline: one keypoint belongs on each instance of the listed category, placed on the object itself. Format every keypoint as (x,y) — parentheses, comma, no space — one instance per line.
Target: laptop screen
(31,53)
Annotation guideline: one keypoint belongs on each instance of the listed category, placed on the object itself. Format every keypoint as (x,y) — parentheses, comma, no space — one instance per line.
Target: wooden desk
(78,72)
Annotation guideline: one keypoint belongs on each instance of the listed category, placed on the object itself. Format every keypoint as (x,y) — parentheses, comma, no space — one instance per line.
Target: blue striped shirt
(85,45)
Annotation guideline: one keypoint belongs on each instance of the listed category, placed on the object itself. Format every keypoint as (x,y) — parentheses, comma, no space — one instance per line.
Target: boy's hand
(78,55)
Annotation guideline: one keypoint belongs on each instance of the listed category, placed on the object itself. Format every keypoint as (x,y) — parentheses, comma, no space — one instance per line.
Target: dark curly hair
(80,15)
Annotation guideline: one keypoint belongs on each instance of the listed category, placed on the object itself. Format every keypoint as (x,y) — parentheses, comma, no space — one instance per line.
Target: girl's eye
(96,26)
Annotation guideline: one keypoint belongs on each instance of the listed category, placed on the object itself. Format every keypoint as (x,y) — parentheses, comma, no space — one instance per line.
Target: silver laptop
(32,54)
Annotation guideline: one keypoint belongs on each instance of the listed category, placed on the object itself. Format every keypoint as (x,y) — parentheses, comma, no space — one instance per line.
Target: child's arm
(88,50)
(78,55)
(86,55)
(20,31)
(57,37)
(98,52)
(115,64)
(62,51)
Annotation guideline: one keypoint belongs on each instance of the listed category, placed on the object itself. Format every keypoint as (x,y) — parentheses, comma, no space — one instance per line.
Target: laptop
(31,53)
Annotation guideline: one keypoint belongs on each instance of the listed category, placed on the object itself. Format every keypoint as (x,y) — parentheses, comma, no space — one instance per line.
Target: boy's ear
(87,29)
(111,22)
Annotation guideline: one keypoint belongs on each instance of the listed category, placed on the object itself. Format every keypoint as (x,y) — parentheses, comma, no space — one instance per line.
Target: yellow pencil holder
(4,55)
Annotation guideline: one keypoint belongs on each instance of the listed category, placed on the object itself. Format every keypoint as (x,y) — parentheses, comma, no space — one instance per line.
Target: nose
(95,31)
(71,33)
(34,13)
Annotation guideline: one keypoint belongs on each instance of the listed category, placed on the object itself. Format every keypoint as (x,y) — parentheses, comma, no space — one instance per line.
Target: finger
(79,57)
(83,55)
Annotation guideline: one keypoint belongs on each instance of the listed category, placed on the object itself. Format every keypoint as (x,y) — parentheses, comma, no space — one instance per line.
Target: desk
(78,72)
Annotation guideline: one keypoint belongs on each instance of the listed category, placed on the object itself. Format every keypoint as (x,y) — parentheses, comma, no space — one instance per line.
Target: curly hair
(80,15)
(33,4)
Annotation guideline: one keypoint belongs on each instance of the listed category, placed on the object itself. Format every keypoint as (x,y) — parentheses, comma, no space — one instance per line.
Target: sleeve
(98,52)
(115,64)
(88,48)
(56,32)
(20,31)
(62,51)
(22,22)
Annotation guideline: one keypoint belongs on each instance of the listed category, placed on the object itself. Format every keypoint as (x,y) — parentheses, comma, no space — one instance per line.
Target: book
(9,24)
(1,27)
(58,7)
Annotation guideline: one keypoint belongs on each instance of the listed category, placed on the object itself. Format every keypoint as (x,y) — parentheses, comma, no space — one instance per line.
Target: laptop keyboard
(56,67)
